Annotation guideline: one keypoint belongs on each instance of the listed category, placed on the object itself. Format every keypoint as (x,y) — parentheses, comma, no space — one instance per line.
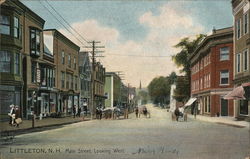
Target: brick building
(241,13)
(22,52)
(64,53)
(212,73)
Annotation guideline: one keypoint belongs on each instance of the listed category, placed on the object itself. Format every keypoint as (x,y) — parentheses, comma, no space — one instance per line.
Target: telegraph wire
(61,23)
(66,21)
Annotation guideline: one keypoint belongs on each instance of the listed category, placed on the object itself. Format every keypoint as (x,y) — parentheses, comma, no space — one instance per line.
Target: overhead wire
(62,23)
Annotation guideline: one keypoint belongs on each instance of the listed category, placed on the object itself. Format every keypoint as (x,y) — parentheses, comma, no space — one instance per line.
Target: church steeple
(140,84)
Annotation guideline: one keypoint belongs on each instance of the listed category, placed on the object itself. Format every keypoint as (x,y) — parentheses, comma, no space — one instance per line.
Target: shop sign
(38,73)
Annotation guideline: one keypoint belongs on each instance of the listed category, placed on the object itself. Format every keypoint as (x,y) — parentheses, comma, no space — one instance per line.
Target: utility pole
(127,109)
(93,56)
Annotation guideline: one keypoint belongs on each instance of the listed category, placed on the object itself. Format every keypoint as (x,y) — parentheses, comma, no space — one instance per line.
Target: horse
(143,110)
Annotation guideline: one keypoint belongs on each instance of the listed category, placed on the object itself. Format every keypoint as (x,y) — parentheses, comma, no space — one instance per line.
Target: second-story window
(63,57)
(62,79)
(67,81)
(76,81)
(245,23)
(245,60)
(72,81)
(5,24)
(35,41)
(5,61)
(16,27)
(224,77)
(238,28)
(17,63)
(238,62)
(74,62)
(224,53)
(69,60)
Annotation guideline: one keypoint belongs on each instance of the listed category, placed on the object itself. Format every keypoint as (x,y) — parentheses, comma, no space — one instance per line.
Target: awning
(240,92)
(190,101)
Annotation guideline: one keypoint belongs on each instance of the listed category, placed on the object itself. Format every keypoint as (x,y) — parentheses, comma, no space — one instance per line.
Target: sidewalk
(222,120)
(26,125)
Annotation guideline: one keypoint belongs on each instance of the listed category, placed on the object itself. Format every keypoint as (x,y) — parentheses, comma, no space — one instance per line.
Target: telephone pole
(93,56)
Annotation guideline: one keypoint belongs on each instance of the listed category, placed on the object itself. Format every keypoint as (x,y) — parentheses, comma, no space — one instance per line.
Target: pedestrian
(136,112)
(11,113)
(74,111)
(79,112)
(196,109)
(17,120)
(177,113)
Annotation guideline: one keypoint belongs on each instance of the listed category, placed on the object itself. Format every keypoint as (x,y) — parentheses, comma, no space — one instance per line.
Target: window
(5,24)
(63,57)
(72,81)
(238,62)
(16,27)
(17,63)
(224,53)
(201,84)
(33,72)
(224,77)
(243,107)
(69,60)
(245,60)
(4,61)
(238,29)
(245,23)
(35,41)
(76,82)
(62,79)
(74,62)
(67,81)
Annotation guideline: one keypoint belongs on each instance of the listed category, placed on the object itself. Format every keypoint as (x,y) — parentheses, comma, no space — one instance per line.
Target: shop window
(224,53)
(243,107)
(34,41)
(5,61)
(5,24)
(16,27)
(17,63)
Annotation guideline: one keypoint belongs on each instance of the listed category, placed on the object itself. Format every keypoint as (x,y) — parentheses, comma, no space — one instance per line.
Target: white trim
(239,7)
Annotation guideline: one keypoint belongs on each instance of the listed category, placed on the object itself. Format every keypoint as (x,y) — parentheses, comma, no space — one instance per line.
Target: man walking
(74,111)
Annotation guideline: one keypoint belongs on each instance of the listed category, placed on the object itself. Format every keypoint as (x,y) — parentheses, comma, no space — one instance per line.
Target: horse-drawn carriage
(144,111)
(112,113)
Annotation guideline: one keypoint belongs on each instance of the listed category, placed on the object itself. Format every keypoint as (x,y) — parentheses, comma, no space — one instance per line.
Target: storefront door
(224,107)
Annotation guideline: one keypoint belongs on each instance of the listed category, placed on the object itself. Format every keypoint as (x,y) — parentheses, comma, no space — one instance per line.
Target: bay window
(16,27)
(5,61)
(35,41)
(17,63)
(5,24)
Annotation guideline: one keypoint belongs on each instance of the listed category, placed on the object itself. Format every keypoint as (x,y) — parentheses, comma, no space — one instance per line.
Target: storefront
(9,95)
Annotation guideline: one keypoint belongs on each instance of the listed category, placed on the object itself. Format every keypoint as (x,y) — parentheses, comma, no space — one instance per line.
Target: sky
(139,36)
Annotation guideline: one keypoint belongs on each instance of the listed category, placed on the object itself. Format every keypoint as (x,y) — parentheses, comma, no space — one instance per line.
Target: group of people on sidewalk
(14,115)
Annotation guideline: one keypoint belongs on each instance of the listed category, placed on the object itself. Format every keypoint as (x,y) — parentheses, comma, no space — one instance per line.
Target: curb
(36,129)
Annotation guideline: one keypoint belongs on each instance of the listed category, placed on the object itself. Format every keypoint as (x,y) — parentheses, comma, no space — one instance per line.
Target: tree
(187,47)
(159,90)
